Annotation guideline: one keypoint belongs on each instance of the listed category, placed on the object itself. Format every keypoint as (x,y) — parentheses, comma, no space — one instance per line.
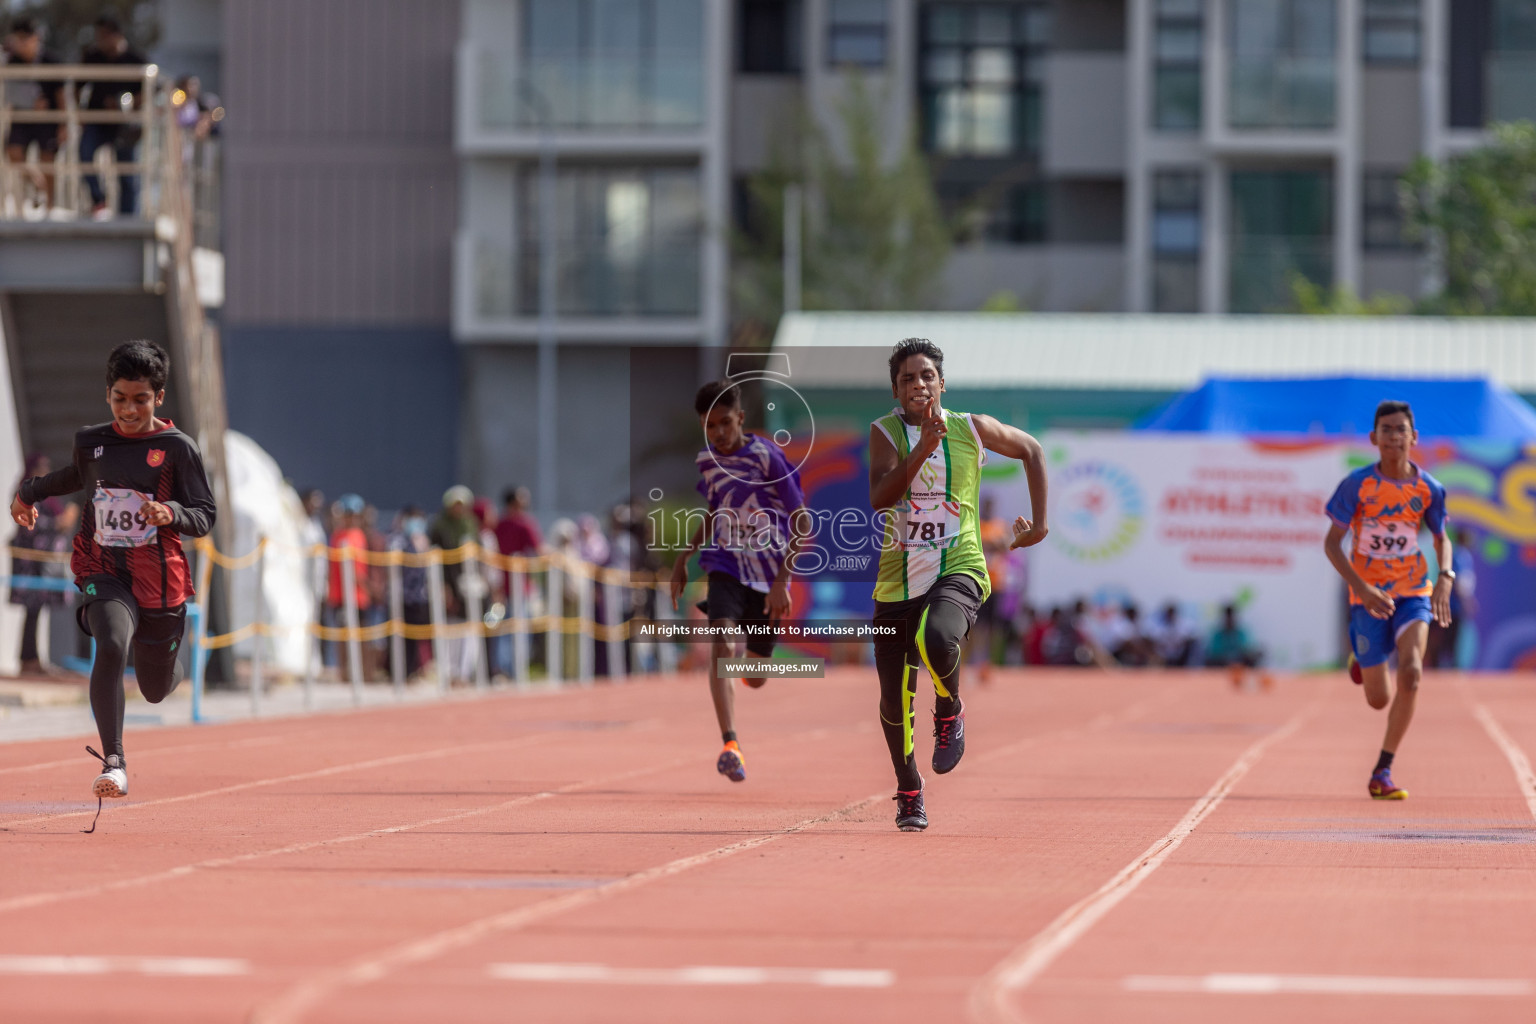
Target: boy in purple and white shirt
(753,494)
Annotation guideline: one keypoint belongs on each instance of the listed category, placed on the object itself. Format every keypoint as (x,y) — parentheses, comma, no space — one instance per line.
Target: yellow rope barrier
(566,625)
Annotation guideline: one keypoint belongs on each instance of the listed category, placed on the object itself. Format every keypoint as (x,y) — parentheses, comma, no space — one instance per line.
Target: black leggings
(936,631)
(155,666)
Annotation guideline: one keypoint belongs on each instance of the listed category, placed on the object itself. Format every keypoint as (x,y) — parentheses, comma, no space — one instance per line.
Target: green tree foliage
(1477,212)
(873,236)
(1313,299)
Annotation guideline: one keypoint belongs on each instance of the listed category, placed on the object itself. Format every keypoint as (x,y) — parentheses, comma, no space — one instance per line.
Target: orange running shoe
(1381,787)
(756,682)
(731,764)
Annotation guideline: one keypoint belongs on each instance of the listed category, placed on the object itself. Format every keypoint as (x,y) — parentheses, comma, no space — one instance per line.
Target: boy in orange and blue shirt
(1391,599)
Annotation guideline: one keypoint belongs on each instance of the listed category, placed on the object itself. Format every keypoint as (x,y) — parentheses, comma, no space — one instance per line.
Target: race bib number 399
(1389,539)
(120,521)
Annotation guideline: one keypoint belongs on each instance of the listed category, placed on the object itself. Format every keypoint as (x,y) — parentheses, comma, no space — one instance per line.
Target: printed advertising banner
(1202,521)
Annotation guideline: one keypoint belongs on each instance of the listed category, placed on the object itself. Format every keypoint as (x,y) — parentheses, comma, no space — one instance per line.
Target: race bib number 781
(120,521)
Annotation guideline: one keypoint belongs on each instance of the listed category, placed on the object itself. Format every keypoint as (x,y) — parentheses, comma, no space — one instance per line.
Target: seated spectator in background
(1060,640)
(1173,640)
(1229,645)
(1031,628)
(1090,646)
(24,45)
(517,532)
(1134,647)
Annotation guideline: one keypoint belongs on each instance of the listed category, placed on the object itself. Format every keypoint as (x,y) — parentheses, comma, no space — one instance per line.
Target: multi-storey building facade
(385,217)
(1159,155)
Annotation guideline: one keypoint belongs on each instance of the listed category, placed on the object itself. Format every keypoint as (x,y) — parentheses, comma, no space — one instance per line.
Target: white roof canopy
(1161,352)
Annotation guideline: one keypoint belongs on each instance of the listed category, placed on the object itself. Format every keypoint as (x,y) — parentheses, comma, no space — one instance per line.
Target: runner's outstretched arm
(1376,601)
(1013,443)
(1440,599)
(34,489)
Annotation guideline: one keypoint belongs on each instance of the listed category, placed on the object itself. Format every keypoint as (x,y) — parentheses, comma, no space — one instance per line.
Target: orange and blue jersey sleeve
(1434,512)
(1341,508)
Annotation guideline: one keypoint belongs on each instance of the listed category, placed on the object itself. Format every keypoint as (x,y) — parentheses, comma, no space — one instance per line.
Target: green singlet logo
(90,588)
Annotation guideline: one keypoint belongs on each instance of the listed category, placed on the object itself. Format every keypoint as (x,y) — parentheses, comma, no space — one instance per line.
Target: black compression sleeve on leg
(944,627)
(895,664)
(157,670)
(112,628)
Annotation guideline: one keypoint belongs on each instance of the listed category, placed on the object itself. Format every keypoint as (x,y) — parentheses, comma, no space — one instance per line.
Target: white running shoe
(113,780)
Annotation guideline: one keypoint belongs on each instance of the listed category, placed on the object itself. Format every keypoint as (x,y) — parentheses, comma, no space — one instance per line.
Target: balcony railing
(1284,92)
(1263,270)
(1511,86)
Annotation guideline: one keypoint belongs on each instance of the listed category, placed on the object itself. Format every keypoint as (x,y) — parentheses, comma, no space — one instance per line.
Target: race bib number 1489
(120,521)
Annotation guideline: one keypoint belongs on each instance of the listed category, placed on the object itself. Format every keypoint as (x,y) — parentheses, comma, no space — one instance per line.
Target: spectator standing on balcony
(55,519)
(111,47)
(24,45)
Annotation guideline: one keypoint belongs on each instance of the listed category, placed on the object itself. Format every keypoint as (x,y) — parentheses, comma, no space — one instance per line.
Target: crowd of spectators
(36,146)
(1115,634)
(467,586)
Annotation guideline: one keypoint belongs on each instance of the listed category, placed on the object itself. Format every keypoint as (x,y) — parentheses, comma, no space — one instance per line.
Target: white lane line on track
(293,1005)
(85,760)
(319,773)
(1328,984)
(182,871)
(684,976)
(990,999)
(156,966)
(1524,776)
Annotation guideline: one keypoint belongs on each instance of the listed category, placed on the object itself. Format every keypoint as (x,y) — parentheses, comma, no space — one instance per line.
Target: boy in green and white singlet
(925,475)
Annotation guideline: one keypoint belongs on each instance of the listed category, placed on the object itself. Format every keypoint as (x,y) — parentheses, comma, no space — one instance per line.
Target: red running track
(1130,847)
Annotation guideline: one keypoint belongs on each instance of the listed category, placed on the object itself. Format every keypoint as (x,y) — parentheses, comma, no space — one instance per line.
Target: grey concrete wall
(1085,126)
(1396,273)
(340,175)
(1046,278)
(1391,116)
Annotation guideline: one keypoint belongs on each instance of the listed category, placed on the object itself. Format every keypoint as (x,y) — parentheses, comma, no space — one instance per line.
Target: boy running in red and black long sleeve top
(145,487)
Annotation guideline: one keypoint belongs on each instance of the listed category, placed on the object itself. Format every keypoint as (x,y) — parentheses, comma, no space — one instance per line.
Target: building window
(599,64)
(1177,48)
(1281,229)
(856,32)
(1283,70)
(1176,237)
(1382,212)
(628,242)
(770,34)
(1390,34)
(1011,214)
(981,77)
(1511,72)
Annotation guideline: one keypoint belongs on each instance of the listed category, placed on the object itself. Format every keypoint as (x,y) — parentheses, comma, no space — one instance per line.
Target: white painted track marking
(296,1003)
(158,966)
(1521,764)
(1328,984)
(990,1000)
(601,974)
